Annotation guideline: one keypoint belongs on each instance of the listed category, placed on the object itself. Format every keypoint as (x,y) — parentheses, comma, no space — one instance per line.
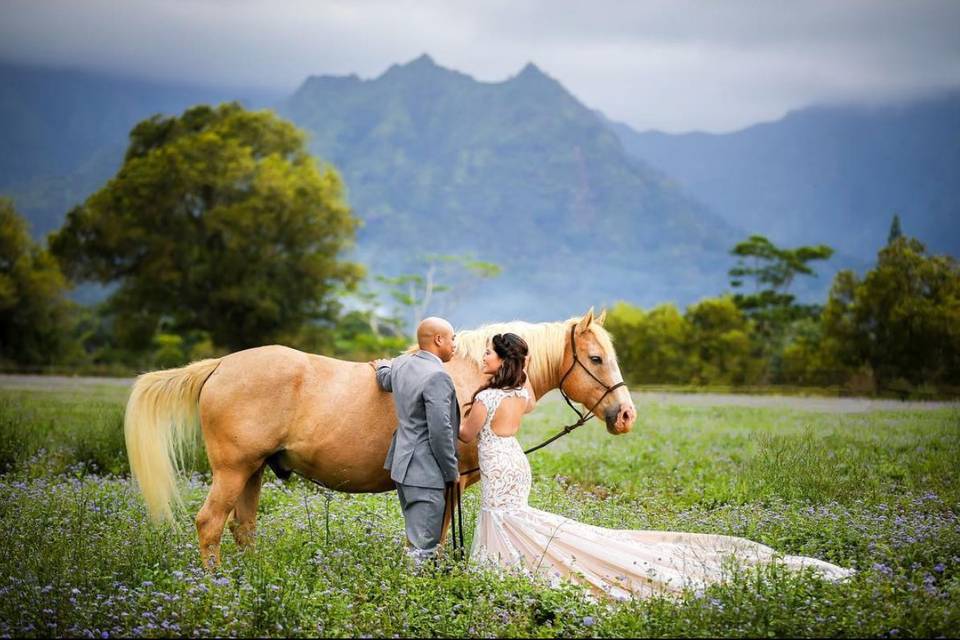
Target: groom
(422,459)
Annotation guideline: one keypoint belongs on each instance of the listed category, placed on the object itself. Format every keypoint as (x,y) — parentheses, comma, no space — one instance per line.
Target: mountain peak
(423,60)
(422,66)
(532,75)
(531,70)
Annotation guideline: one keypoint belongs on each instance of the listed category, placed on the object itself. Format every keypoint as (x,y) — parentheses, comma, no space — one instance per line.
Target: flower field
(874,490)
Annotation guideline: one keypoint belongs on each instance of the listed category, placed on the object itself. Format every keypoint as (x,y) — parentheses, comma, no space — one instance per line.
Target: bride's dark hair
(513,350)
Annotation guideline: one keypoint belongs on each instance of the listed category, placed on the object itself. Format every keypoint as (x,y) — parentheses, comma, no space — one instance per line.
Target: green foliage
(80,557)
(35,316)
(652,347)
(808,357)
(219,220)
(772,268)
(771,307)
(713,343)
(902,319)
(721,340)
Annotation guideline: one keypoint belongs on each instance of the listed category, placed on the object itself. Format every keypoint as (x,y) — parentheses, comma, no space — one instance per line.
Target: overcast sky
(672,65)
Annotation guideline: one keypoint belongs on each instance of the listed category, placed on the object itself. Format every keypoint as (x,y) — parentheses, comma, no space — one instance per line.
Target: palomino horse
(324,418)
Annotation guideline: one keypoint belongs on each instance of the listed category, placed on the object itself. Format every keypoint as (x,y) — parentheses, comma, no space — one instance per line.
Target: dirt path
(56,383)
(805,403)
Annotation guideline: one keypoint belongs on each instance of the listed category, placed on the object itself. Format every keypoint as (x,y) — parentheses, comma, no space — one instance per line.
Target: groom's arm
(384,374)
(436,400)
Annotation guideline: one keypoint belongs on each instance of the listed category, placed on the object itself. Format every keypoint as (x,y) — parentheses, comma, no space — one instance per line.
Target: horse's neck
(544,384)
(543,378)
(548,377)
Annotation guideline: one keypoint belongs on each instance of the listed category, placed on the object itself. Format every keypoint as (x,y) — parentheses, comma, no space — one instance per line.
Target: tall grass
(875,491)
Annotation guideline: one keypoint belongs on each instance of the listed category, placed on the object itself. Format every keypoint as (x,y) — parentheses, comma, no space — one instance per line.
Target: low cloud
(673,66)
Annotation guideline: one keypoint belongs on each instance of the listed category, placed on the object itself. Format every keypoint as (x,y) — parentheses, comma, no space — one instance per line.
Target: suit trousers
(423,510)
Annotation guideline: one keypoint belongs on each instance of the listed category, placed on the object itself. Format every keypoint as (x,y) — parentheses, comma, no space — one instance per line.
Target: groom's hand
(378,363)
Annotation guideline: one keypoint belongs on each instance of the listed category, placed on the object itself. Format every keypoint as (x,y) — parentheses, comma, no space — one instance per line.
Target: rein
(584,417)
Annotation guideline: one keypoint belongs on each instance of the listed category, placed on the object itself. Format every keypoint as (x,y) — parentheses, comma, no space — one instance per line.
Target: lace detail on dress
(504,470)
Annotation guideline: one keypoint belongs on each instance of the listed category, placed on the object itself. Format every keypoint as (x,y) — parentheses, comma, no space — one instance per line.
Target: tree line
(895,331)
(221,232)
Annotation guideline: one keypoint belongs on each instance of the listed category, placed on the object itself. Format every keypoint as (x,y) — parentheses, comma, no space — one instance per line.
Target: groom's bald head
(436,336)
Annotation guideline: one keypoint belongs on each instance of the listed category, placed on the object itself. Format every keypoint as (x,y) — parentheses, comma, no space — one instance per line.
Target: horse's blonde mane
(546,340)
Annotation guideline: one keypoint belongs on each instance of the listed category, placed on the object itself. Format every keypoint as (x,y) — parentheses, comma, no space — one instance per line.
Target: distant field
(865,484)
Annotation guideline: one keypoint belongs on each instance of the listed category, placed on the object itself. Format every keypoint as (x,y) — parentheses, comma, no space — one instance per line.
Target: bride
(619,563)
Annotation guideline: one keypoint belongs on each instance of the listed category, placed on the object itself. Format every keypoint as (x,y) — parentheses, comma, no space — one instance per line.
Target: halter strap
(573,365)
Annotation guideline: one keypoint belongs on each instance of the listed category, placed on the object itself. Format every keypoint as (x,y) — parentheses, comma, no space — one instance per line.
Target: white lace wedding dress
(619,563)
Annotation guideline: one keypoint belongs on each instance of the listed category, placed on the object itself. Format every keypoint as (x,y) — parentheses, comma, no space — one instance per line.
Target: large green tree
(34,314)
(902,319)
(218,220)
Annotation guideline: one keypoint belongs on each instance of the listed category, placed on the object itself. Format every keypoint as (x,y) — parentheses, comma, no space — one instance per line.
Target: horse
(325,419)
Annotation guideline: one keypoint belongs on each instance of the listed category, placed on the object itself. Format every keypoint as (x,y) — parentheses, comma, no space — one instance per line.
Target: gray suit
(423,454)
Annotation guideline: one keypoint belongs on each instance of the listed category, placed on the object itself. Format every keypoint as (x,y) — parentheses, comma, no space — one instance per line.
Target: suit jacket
(423,452)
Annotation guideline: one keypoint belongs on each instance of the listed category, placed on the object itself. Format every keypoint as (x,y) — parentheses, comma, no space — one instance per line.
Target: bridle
(573,365)
(584,418)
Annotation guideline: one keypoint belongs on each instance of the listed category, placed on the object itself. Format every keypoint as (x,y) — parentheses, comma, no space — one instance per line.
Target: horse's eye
(596,359)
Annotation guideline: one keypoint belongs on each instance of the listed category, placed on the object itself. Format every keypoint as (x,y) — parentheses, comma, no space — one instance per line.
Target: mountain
(517,172)
(832,174)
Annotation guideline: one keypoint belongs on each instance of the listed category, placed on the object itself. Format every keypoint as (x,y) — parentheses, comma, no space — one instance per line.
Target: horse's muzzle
(620,418)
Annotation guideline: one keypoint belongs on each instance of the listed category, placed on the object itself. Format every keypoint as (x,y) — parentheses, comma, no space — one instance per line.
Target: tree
(449,275)
(773,270)
(34,313)
(218,220)
(721,341)
(652,347)
(902,319)
(771,306)
(895,231)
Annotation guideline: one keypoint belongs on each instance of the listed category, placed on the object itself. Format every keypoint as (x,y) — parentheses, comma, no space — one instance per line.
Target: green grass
(874,491)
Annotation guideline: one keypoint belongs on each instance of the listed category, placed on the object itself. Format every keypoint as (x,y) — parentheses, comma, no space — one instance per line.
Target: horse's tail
(160,428)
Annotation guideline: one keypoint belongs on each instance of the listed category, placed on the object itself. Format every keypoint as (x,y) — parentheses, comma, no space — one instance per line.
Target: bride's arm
(470,426)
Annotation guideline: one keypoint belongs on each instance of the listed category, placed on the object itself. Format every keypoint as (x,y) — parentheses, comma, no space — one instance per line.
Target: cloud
(669,65)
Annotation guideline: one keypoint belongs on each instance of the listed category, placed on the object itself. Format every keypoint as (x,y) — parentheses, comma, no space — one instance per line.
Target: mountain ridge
(516,171)
(844,167)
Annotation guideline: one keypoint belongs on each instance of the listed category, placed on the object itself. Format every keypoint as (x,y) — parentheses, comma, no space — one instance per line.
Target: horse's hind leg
(228,484)
(244,523)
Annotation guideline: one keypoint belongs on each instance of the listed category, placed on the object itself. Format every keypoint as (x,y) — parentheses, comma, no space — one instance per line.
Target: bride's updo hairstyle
(513,350)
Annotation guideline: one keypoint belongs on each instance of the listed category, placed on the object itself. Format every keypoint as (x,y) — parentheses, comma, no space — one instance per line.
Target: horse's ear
(585,321)
(601,318)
